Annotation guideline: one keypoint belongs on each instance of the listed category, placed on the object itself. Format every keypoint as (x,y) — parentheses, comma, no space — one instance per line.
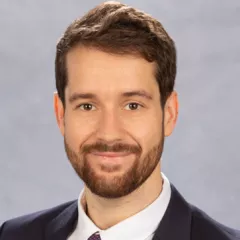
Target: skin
(115,187)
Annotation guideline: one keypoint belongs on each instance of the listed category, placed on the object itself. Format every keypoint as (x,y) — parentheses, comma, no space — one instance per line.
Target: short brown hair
(116,28)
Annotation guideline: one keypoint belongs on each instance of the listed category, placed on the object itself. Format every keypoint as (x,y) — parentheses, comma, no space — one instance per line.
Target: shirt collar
(149,219)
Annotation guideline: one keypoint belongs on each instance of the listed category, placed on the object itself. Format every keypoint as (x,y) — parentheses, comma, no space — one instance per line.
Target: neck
(117,210)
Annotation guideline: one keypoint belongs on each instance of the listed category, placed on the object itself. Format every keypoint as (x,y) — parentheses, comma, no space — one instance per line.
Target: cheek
(77,130)
(147,135)
(144,128)
(147,129)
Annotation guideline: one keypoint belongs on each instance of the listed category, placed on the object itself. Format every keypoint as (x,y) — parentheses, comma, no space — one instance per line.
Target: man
(115,104)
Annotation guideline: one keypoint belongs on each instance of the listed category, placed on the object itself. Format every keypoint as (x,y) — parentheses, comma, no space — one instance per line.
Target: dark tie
(95,236)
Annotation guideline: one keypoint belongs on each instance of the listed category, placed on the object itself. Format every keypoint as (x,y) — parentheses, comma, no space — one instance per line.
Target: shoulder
(204,227)
(32,224)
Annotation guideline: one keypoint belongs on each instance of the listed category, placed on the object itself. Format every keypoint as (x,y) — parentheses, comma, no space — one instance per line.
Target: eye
(86,106)
(134,106)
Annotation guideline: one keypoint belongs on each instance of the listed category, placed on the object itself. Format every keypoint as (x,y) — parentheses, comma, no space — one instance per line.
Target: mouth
(111,158)
(111,154)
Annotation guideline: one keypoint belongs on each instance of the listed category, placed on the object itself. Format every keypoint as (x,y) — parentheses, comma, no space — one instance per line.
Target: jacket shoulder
(204,227)
(30,225)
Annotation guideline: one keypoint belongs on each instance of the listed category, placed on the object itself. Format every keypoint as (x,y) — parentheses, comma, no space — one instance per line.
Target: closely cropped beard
(119,186)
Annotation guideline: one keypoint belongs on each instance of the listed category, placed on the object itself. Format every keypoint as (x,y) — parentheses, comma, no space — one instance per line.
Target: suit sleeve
(1,230)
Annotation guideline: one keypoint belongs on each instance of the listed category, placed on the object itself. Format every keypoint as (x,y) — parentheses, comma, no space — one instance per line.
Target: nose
(110,127)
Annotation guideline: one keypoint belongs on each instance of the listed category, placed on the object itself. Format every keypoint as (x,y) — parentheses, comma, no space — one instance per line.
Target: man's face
(112,122)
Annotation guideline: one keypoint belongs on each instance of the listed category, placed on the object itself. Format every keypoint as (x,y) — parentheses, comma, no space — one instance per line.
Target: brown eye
(133,106)
(86,106)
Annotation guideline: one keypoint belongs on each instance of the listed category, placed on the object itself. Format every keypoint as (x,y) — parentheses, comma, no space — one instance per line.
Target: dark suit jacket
(181,221)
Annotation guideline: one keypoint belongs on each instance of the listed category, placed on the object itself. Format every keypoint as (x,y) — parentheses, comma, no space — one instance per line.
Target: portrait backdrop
(201,158)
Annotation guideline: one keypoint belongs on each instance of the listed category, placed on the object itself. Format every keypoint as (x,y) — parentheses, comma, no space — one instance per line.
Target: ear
(59,112)
(171,114)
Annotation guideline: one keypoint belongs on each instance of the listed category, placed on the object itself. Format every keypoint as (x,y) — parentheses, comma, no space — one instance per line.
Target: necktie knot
(95,236)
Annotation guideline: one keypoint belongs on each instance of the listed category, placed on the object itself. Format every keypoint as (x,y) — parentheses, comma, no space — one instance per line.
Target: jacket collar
(61,226)
(175,225)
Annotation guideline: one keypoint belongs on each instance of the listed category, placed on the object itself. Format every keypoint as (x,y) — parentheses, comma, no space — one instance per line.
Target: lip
(111,154)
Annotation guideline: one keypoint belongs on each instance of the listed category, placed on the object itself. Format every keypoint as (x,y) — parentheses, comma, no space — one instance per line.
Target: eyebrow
(139,93)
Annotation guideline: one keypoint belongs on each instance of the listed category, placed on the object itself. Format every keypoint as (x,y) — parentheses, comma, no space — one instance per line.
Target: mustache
(103,147)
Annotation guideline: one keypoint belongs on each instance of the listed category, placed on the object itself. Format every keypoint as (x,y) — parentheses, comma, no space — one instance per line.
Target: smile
(111,158)
(111,154)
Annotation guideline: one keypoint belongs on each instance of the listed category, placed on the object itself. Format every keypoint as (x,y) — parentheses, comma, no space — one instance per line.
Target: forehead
(94,69)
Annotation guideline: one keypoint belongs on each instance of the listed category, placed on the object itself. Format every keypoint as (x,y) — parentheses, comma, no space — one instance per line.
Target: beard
(117,186)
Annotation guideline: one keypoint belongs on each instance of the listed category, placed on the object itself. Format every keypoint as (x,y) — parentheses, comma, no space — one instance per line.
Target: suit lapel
(61,226)
(176,223)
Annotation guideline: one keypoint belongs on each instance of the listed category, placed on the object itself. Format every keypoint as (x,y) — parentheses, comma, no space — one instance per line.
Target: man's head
(115,74)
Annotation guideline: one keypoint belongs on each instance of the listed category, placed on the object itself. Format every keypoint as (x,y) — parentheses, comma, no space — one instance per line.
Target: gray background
(201,157)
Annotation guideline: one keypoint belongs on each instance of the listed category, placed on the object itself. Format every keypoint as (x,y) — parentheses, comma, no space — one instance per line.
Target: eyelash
(82,104)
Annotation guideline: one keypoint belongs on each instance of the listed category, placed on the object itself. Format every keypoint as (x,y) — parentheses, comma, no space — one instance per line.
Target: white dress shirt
(140,226)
